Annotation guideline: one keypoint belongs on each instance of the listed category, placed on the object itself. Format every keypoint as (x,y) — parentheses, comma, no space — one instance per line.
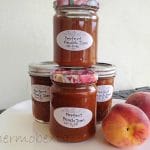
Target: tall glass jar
(105,87)
(75,33)
(40,90)
(73,105)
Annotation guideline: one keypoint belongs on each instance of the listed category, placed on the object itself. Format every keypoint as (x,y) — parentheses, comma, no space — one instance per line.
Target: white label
(72,117)
(41,93)
(104,93)
(74,40)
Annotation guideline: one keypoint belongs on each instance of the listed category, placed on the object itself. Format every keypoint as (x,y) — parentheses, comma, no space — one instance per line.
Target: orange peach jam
(105,87)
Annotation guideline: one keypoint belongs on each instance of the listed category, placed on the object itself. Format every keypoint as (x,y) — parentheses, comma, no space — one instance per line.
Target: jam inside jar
(40,90)
(73,106)
(105,87)
(75,35)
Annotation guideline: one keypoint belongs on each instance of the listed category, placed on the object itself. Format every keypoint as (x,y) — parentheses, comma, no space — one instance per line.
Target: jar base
(69,140)
(40,121)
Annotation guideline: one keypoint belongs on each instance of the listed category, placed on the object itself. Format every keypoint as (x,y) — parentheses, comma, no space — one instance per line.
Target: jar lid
(74,75)
(105,70)
(81,3)
(42,68)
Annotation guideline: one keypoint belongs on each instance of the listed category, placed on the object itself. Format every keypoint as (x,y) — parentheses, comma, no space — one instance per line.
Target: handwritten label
(41,93)
(104,93)
(72,117)
(74,40)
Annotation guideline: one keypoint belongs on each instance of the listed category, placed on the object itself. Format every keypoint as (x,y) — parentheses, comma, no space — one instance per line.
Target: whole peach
(141,100)
(126,125)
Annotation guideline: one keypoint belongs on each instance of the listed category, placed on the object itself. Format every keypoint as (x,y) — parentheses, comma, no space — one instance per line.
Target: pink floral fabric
(77,2)
(74,76)
(80,2)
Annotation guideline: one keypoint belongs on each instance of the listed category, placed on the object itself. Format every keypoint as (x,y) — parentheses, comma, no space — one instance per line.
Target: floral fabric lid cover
(69,75)
(93,3)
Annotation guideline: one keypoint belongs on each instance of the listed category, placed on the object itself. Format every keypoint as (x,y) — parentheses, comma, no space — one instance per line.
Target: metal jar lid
(105,70)
(42,69)
(75,3)
(74,75)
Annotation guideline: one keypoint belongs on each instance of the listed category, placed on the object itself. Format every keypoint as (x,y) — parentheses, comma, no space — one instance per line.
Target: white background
(26,36)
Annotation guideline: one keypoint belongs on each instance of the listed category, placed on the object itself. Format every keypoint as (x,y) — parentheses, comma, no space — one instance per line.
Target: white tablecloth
(19,131)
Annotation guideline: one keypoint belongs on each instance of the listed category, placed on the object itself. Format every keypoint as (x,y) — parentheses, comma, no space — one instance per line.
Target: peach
(141,100)
(126,125)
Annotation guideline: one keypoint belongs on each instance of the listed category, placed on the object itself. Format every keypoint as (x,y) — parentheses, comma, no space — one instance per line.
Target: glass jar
(105,85)
(73,105)
(75,33)
(40,90)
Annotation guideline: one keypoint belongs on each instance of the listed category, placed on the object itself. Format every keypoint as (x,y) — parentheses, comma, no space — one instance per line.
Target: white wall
(26,36)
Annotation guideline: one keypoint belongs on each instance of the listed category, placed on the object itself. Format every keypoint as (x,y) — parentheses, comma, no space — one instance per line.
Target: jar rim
(105,69)
(41,68)
(74,75)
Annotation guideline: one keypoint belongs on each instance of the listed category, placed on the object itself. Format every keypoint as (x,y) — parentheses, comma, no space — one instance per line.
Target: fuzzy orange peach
(126,125)
(141,100)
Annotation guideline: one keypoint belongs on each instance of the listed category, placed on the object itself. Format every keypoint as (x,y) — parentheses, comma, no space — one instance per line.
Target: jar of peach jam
(73,104)
(75,32)
(105,85)
(40,90)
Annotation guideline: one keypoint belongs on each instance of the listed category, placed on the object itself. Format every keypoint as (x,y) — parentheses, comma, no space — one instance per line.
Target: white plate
(19,131)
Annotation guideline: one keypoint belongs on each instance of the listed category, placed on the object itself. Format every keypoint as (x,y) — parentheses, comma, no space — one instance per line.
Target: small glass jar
(40,90)
(105,85)
(75,33)
(73,105)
